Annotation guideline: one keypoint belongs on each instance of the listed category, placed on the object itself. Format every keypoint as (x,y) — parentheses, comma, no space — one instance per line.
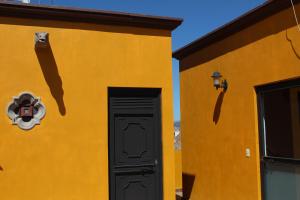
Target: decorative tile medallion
(26,111)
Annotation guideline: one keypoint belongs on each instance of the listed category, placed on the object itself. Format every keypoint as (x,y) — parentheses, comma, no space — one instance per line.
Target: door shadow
(50,71)
(187,185)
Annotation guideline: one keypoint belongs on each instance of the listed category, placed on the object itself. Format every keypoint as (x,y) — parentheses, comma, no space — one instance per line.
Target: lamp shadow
(50,71)
(1,168)
(218,107)
(187,185)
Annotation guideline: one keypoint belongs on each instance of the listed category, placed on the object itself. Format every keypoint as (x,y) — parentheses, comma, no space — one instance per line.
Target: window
(279,108)
(281,122)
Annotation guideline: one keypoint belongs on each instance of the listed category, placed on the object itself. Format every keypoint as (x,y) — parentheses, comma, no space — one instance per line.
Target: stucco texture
(217,127)
(178,169)
(66,157)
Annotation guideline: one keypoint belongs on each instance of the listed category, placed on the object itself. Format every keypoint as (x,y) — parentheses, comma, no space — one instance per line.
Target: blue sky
(200,17)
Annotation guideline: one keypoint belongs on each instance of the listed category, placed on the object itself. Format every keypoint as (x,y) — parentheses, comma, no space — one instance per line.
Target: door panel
(133,138)
(135,187)
(135,144)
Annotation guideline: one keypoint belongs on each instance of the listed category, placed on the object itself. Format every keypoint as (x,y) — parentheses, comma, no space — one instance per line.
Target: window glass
(281,182)
(281,118)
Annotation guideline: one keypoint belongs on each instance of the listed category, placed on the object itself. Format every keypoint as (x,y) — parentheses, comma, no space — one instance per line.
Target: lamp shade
(216,79)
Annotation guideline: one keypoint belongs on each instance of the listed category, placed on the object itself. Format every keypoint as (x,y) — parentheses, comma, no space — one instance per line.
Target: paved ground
(179,195)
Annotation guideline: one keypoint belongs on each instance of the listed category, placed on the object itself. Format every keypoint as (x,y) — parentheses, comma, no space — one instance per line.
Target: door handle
(136,171)
(134,166)
(148,171)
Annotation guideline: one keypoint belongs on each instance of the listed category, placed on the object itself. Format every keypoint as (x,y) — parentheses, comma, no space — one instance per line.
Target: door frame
(140,92)
(260,90)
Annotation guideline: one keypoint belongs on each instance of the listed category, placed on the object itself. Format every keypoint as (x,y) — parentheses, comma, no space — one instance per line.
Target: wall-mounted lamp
(41,39)
(218,82)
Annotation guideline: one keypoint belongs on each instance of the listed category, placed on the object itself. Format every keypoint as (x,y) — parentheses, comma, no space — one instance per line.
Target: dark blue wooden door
(135,144)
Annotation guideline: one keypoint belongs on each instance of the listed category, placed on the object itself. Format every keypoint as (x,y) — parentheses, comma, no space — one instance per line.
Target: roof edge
(251,17)
(22,10)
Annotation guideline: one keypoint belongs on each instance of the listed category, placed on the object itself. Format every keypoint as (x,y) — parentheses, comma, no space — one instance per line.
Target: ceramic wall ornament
(26,110)
(41,40)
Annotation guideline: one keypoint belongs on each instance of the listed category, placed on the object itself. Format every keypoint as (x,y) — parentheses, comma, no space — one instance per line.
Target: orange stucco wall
(178,169)
(66,157)
(218,127)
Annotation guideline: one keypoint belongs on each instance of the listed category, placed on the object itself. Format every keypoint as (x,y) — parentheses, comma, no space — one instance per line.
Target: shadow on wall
(292,45)
(187,185)
(51,75)
(218,107)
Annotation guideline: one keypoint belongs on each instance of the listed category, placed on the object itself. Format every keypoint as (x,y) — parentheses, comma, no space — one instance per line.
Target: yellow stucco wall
(217,128)
(66,157)
(178,169)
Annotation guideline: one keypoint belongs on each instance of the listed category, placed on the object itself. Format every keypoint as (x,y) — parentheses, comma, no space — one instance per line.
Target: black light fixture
(218,82)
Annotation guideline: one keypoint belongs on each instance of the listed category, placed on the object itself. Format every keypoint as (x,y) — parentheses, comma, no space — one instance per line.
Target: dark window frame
(260,90)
